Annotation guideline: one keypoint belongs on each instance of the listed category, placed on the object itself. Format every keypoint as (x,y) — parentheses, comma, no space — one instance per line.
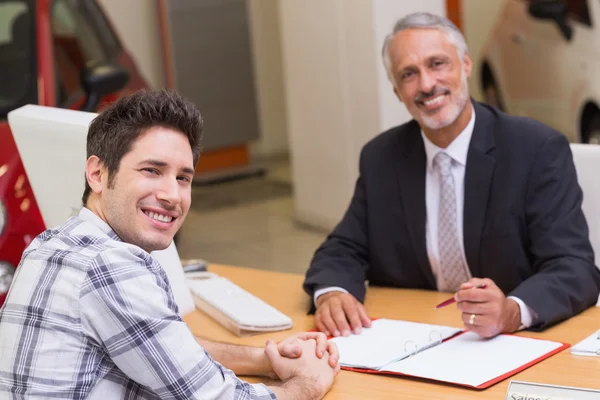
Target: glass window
(17,55)
(98,18)
(75,44)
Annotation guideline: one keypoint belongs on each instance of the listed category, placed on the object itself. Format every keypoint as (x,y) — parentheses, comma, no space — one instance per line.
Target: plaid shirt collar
(89,216)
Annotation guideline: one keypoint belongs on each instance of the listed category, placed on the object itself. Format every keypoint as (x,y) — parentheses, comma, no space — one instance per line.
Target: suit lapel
(478,182)
(411,182)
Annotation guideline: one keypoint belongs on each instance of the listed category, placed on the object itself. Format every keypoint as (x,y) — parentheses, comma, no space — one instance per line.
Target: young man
(90,313)
(461,196)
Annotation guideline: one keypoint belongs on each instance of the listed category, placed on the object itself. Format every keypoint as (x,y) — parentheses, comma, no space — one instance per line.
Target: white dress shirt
(458,150)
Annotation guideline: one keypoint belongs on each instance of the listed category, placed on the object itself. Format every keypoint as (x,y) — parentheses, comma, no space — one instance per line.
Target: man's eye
(150,170)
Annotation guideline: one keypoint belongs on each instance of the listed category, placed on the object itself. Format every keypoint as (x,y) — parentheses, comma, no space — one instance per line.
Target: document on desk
(462,358)
(389,340)
(590,346)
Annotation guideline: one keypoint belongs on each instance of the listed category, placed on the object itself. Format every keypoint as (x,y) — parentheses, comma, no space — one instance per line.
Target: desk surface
(284,291)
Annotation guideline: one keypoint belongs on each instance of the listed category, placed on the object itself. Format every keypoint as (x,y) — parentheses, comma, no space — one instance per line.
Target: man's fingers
(351,310)
(327,320)
(474,295)
(319,337)
(466,285)
(320,325)
(334,354)
(339,317)
(272,353)
(471,320)
(321,343)
(480,281)
(476,308)
(477,322)
(290,350)
(339,314)
(477,295)
(364,317)
(482,331)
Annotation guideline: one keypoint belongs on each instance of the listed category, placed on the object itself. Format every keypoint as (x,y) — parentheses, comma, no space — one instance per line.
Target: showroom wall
(143,41)
(337,94)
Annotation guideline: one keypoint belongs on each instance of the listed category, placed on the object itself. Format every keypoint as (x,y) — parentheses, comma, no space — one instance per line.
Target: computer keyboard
(235,308)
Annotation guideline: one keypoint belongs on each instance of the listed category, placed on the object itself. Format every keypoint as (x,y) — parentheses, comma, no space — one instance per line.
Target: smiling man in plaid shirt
(91,315)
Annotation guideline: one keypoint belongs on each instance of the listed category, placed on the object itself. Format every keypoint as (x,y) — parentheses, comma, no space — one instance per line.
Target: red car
(60,53)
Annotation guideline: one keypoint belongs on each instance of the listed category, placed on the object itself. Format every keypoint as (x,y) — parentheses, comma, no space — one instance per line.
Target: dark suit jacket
(523,223)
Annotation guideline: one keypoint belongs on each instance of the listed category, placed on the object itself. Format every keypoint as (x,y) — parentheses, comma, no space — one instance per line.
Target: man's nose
(426,82)
(168,191)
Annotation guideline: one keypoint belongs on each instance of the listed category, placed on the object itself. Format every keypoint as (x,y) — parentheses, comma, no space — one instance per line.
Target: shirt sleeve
(527,314)
(320,292)
(128,310)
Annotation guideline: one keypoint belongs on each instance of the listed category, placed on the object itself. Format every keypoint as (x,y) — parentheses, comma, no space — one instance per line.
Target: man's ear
(95,174)
(467,65)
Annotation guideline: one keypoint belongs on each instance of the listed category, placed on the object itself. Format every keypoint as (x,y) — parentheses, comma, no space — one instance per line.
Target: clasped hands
(487,312)
(294,347)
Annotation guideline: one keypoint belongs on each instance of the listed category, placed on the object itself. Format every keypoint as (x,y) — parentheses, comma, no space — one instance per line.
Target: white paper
(388,340)
(469,360)
(589,346)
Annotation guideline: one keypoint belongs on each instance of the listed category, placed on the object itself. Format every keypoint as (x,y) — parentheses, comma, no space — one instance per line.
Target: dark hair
(113,132)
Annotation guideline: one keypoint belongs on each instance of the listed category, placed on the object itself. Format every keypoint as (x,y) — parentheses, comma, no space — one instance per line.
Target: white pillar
(337,94)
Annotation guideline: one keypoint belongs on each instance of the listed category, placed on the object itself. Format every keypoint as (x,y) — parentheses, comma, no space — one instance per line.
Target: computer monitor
(52,145)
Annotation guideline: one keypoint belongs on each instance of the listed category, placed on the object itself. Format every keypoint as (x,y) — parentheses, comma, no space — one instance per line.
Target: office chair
(587,164)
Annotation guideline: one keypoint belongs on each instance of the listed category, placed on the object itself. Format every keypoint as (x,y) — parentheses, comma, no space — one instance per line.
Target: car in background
(542,61)
(59,53)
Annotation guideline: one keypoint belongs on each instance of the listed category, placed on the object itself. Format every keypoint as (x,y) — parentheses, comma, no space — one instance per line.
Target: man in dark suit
(460,197)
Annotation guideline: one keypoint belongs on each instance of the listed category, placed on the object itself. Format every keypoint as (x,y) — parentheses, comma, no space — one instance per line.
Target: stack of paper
(589,346)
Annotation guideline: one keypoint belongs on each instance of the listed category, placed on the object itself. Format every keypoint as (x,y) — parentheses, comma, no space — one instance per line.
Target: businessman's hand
(487,312)
(338,313)
(292,348)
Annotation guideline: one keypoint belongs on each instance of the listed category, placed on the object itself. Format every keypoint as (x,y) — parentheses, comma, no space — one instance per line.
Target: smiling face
(429,77)
(149,197)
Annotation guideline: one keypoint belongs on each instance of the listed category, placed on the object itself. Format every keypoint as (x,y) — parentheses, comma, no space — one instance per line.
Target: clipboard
(463,359)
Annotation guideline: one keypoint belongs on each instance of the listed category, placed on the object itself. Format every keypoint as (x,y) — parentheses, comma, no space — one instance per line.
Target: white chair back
(587,164)
(51,142)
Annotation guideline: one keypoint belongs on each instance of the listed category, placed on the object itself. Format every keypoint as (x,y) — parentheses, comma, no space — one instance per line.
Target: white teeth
(159,217)
(435,100)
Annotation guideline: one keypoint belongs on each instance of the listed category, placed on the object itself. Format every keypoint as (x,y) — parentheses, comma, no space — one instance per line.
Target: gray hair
(423,20)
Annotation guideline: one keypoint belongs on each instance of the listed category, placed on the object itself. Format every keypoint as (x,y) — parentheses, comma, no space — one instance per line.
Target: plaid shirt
(91,317)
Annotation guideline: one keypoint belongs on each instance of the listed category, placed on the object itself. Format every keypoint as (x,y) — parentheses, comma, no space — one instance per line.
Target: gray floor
(249,223)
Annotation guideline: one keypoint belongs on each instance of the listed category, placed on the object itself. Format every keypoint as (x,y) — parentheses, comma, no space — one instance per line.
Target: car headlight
(7,272)
(3,217)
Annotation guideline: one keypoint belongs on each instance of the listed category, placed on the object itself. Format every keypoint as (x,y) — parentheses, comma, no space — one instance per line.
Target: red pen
(452,300)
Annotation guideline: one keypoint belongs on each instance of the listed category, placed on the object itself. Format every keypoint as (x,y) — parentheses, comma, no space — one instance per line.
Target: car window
(579,11)
(17,55)
(93,11)
(75,44)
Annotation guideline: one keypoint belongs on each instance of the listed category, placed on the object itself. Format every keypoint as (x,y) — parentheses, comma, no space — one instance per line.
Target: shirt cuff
(327,290)
(527,314)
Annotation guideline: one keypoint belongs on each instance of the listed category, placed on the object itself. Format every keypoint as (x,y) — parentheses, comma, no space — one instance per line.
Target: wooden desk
(284,291)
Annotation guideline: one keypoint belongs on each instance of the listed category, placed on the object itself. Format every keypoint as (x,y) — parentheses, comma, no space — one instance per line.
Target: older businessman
(461,196)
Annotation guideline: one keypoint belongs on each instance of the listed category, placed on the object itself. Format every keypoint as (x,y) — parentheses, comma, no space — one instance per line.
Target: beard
(453,110)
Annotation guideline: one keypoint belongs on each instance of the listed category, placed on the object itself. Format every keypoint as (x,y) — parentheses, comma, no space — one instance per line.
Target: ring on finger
(472,319)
